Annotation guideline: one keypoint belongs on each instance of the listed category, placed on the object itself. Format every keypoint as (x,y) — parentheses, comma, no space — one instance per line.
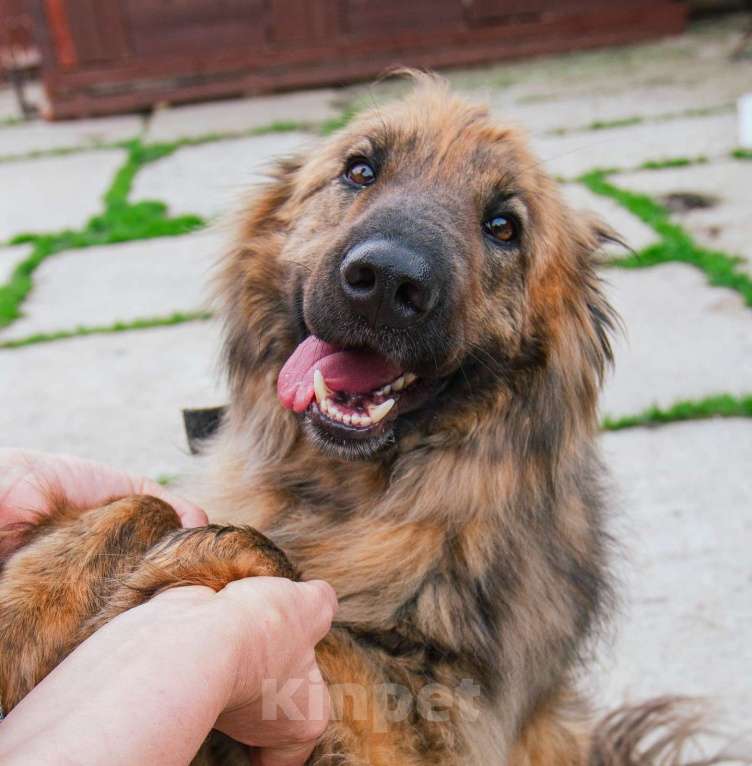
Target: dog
(415,336)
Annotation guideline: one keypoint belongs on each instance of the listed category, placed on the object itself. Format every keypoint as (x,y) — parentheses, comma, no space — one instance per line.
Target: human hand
(148,686)
(282,708)
(28,479)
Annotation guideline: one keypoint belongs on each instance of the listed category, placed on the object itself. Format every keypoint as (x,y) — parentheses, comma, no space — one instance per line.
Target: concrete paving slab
(47,195)
(568,111)
(692,71)
(10,257)
(37,135)
(101,285)
(632,230)
(725,225)
(685,529)
(240,114)
(628,147)
(684,339)
(207,179)
(115,398)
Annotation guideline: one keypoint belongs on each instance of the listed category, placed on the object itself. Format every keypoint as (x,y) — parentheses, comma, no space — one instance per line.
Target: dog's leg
(212,556)
(558,734)
(62,577)
(81,569)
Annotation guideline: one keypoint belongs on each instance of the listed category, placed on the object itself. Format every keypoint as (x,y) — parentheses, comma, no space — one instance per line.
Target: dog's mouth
(351,398)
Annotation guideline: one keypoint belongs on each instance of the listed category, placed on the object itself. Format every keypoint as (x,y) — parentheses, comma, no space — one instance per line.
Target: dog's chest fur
(450,569)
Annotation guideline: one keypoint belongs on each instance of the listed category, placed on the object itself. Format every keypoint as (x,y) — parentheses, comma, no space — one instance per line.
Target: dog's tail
(666,731)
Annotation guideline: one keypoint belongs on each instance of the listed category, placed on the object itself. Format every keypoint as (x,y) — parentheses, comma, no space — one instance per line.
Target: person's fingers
(296,755)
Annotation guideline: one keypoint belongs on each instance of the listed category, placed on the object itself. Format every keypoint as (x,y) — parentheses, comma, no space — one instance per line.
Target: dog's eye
(360,173)
(502,228)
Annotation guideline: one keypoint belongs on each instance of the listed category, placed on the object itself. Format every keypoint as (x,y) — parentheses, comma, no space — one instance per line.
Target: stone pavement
(658,121)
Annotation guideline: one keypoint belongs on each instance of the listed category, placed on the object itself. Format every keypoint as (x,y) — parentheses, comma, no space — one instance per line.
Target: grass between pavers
(625,122)
(147,323)
(742,154)
(676,245)
(324,128)
(121,221)
(673,162)
(722,405)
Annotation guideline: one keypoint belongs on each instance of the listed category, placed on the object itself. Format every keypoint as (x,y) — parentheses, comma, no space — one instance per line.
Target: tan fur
(472,547)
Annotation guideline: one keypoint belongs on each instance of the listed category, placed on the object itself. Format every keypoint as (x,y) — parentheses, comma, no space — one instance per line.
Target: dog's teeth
(399,384)
(379,412)
(410,378)
(319,387)
(347,420)
(384,391)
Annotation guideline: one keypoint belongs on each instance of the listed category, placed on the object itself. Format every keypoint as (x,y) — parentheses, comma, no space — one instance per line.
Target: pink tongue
(355,372)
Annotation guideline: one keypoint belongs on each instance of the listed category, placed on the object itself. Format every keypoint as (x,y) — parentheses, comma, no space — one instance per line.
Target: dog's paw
(211,556)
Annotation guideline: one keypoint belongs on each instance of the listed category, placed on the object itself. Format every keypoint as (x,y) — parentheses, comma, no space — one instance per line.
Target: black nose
(388,283)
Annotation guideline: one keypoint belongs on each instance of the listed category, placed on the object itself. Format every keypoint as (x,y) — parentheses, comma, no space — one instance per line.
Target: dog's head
(417,267)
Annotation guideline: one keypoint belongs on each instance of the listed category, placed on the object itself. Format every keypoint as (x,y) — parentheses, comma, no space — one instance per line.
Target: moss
(61,151)
(742,154)
(166,147)
(121,221)
(334,124)
(676,245)
(674,162)
(136,324)
(723,405)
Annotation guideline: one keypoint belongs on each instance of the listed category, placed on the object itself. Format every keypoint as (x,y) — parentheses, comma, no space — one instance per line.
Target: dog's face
(425,257)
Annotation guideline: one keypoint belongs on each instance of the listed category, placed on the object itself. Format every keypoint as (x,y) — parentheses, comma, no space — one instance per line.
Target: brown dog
(415,339)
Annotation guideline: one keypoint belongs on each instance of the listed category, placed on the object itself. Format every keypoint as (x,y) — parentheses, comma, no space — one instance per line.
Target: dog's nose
(388,283)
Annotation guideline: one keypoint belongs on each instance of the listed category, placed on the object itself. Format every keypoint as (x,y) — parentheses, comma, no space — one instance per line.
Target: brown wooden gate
(104,56)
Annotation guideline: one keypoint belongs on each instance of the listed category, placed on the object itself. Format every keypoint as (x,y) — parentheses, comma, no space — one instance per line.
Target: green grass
(674,162)
(121,221)
(179,317)
(742,154)
(333,124)
(676,245)
(624,122)
(723,405)
(280,126)
(61,151)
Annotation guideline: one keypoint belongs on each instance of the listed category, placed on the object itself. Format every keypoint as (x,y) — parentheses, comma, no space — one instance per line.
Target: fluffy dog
(415,337)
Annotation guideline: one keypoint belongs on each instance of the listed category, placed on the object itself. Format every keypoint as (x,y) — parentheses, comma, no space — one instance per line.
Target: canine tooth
(380,412)
(319,386)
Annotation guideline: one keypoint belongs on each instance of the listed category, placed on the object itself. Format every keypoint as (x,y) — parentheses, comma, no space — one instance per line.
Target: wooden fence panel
(104,56)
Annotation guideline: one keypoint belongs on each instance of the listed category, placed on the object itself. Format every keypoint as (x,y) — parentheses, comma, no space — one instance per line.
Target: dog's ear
(604,320)
(256,326)
(263,208)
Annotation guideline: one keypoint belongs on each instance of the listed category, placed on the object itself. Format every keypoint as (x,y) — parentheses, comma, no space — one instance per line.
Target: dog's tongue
(356,372)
